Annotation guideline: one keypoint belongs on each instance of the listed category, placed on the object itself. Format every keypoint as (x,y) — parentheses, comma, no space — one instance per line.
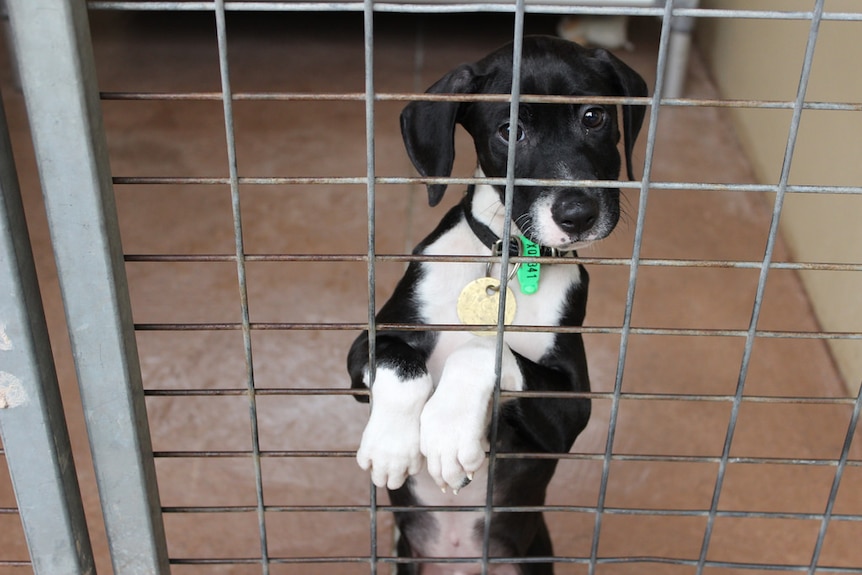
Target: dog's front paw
(453,439)
(390,443)
(390,451)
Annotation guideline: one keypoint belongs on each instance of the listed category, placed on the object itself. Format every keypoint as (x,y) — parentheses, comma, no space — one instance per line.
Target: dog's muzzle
(576,217)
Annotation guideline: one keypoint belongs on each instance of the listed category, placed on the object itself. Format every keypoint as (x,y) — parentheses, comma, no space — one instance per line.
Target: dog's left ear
(428,129)
(631,85)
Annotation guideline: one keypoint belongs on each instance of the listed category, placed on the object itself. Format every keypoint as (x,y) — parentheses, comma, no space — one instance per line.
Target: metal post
(32,424)
(55,60)
(679,47)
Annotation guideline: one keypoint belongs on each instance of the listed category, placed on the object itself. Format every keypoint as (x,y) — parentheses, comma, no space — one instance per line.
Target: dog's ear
(428,129)
(630,85)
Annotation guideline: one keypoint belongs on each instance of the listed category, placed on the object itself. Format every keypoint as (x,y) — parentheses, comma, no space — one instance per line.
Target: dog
(428,431)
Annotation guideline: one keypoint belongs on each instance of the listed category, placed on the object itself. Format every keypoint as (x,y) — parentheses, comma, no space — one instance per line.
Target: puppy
(428,431)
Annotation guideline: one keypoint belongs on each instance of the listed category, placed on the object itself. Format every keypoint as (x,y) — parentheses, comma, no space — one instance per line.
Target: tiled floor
(323,54)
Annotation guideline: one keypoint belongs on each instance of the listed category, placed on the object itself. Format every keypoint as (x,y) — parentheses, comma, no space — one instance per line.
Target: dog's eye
(506,129)
(593,117)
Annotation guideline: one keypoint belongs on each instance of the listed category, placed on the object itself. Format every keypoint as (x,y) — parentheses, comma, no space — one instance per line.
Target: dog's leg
(389,448)
(453,431)
(403,550)
(540,547)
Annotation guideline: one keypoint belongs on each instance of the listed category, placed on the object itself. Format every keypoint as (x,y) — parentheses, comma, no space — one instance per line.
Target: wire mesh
(594,560)
(591,558)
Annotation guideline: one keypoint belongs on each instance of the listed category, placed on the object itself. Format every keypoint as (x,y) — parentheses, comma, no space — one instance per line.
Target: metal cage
(55,60)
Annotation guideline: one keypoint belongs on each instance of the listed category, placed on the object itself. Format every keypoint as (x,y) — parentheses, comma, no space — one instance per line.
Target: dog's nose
(576,214)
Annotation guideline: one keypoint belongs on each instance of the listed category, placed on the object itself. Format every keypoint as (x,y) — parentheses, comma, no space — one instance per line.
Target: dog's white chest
(437,294)
(442,284)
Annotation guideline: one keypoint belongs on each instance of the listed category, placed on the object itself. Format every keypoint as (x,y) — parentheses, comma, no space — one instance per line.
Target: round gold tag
(479,302)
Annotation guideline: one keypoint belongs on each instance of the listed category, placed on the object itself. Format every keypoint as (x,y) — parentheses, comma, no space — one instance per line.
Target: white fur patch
(441,284)
(455,419)
(390,443)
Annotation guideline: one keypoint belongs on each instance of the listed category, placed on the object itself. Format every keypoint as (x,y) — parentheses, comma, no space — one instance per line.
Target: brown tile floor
(323,54)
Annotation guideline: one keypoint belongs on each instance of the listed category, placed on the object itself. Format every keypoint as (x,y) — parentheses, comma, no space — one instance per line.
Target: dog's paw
(453,439)
(453,430)
(389,448)
(390,451)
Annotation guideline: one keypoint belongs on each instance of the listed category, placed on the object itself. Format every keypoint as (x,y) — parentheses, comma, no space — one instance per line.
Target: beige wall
(762,59)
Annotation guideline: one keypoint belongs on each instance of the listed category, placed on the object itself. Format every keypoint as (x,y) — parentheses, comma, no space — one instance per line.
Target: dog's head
(554,141)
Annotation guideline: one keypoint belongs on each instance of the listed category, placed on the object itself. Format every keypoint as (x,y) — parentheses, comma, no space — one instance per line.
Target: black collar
(491,240)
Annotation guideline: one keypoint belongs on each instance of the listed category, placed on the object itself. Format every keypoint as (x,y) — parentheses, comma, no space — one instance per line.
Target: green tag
(528,272)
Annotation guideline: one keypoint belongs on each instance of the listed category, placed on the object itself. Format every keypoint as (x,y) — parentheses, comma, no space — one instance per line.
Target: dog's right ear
(428,129)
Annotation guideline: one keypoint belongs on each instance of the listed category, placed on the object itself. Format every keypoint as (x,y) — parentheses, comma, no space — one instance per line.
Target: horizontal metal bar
(641,458)
(262,391)
(626,511)
(597,395)
(526,99)
(329,258)
(634,8)
(347,326)
(500,560)
(764,14)
(14,563)
(273,560)
(361,181)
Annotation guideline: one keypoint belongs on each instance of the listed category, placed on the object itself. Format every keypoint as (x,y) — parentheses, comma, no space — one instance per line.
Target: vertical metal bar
(368,34)
(32,423)
(661,66)
(764,273)
(227,101)
(415,191)
(517,49)
(55,60)
(836,482)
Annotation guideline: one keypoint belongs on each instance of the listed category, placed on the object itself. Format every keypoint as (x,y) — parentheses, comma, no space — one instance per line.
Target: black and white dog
(432,390)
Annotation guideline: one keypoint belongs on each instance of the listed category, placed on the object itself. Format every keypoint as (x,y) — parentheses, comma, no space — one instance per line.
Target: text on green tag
(528,272)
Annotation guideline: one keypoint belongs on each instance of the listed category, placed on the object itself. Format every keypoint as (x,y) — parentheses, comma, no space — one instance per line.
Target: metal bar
(626,330)
(568,560)
(635,7)
(371,200)
(200,258)
(522,560)
(626,511)
(500,344)
(681,186)
(284,391)
(224,70)
(764,274)
(632,8)
(512,328)
(58,76)
(525,98)
(524,455)
(679,46)
(32,423)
